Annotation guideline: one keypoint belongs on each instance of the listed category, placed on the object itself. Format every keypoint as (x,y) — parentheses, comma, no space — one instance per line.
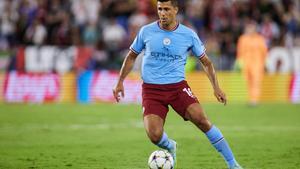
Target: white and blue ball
(161,159)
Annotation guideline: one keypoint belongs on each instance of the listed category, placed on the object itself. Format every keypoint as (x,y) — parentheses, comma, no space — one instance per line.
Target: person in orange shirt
(251,54)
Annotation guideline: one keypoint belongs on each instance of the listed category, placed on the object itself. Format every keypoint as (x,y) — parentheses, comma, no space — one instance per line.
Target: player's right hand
(118,91)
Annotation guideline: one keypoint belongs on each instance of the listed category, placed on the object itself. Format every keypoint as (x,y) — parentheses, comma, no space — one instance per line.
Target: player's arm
(211,74)
(126,68)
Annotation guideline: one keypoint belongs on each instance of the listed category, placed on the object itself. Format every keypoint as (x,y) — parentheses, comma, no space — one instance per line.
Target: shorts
(157,98)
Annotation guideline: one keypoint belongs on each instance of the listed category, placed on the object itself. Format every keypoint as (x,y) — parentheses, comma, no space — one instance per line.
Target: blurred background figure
(251,53)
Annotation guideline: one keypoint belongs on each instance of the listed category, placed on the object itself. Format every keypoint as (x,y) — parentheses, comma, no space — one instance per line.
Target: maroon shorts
(157,98)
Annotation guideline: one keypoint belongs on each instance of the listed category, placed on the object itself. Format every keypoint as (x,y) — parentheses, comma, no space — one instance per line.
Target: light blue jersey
(166,52)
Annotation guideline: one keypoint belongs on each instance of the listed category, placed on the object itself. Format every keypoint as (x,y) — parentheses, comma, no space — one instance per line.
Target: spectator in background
(213,48)
(90,34)
(136,21)
(114,35)
(252,52)
(291,19)
(53,20)
(75,39)
(36,33)
(63,31)
(99,59)
(85,11)
(269,29)
(8,19)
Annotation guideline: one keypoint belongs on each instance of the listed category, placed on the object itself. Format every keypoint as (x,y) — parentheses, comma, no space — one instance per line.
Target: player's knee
(155,135)
(202,123)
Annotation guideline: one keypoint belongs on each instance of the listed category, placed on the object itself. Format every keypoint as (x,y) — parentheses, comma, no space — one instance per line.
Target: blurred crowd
(109,26)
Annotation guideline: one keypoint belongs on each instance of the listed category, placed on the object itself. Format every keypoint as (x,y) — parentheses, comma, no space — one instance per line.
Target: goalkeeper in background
(251,54)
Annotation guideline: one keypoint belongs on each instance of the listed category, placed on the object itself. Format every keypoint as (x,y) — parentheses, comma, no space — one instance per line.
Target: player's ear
(176,10)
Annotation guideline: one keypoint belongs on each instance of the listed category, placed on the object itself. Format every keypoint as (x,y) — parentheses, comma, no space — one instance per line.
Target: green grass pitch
(111,136)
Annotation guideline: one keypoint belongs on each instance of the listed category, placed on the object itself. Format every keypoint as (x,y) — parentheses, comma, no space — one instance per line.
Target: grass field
(109,136)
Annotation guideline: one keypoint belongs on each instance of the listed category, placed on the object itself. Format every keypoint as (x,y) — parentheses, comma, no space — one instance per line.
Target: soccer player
(167,43)
(252,52)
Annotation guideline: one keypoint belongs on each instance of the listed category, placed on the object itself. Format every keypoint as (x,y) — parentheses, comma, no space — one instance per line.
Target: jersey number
(189,92)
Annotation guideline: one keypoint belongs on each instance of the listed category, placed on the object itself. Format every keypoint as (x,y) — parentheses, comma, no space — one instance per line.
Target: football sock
(165,143)
(218,141)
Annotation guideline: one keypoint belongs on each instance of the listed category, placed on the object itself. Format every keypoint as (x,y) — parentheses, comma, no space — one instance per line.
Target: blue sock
(218,141)
(165,143)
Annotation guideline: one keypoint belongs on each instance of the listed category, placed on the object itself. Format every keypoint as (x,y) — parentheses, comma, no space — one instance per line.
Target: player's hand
(118,91)
(220,95)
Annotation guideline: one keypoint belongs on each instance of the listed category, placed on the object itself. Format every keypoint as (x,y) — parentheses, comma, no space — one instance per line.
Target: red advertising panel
(36,88)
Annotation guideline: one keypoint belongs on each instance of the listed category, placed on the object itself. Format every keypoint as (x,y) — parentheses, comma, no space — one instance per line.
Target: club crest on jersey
(167,41)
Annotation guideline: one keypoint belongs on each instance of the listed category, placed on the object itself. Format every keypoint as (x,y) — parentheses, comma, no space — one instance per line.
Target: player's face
(166,13)
(250,28)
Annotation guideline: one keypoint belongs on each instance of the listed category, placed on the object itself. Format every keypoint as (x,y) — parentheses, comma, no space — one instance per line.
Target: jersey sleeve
(138,44)
(197,48)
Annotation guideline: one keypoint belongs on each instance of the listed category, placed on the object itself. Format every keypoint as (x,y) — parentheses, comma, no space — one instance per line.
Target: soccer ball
(161,159)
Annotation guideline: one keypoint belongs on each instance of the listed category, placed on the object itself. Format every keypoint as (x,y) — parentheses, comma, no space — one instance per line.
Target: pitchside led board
(38,88)
(97,87)
(91,86)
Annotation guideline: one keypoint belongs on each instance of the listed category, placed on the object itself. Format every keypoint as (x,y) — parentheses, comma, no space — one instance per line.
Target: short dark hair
(173,2)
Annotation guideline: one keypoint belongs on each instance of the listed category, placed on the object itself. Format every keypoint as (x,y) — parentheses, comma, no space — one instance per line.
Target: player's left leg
(196,115)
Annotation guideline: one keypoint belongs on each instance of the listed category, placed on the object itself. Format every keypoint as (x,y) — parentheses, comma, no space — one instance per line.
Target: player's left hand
(220,95)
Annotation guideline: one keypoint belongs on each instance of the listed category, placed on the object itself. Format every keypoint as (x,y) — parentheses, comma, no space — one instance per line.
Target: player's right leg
(155,109)
(257,76)
(154,129)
